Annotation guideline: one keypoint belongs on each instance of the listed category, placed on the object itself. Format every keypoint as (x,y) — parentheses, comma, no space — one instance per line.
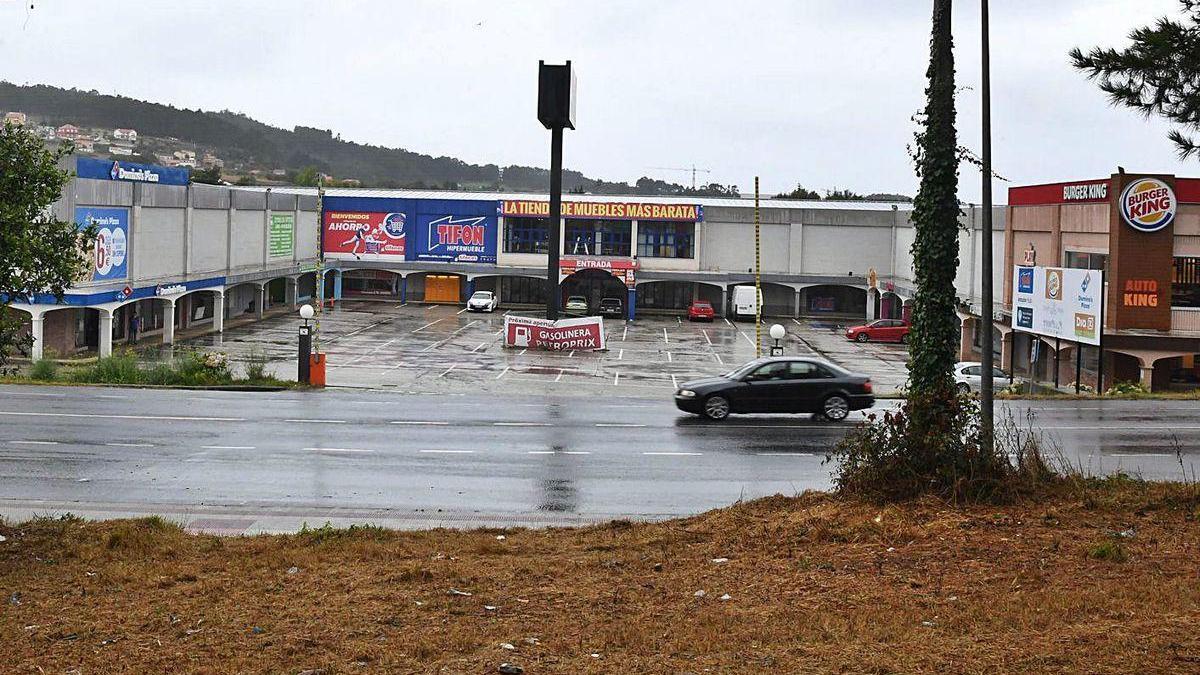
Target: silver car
(968,377)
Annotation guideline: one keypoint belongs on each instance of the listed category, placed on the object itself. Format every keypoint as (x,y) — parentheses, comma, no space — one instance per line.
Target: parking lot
(444,349)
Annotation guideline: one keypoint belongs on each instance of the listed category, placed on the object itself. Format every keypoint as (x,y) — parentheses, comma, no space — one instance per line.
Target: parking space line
(522,352)
(447,452)
(416,330)
(669,359)
(317,421)
(481,345)
(620,354)
(422,423)
(34,442)
(747,338)
(666,340)
(502,373)
(674,383)
(227,447)
(571,353)
(673,454)
(619,425)
(337,450)
(624,332)
(729,324)
(616,378)
(520,424)
(560,374)
(706,338)
(785,454)
(719,360)
(447,371)
(130,445)
(462,310)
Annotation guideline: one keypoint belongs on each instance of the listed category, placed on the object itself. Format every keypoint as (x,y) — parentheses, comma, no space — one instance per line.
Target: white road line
(785,454)
(669,359)
(798,323)
(747,337)
(624,332)
(674,382)
(227,447)
(130,445)
(570,353)
(730,324)
(618,424)
(558,452)
(420,423)
(1138,427)
(34,442)
(620,354)
(447,371)
(719,360)
(107,396)
(522,353)
(666,340)
(521,424)
(673,454)
(179,418)
(616,378)
(32,393)
(481,346)
(502,373)
(576,452)
(462,310)
(426,326)
(706,338)
(1139,454)
(560,374)
(448,452)
(337,450)
(318,421)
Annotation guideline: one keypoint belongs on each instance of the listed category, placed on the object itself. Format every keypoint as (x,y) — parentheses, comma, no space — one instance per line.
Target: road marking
(502,373)
(520,424)
(31,393)
(673,454)
(624,332)
(616,378)
(125,417)
(730,324)
(620,354)
(34,442)
(462,310)
(558,452)
(448,452)
(560,374)
(570,353)
(785,454)
(706,338)
(1138,427)
(422,423)
(447,371)
(618,424)
(318,421)
(427,326)
(130,445)
(106,396)
(674,382)
(666,340)
(338,450)
(669,359)
(719,360)
(747,338)
(1139,454)
(227,447)
(522,352)
(481,346)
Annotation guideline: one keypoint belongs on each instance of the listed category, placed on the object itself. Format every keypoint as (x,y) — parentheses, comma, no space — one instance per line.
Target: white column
(1147,375)
(106,327)
(262,297)
(292,290)
(36,350)
(169,322)
(872,294)
(219,311)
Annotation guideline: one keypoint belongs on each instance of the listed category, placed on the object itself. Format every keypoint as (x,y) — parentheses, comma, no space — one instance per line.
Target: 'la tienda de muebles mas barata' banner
(585,333)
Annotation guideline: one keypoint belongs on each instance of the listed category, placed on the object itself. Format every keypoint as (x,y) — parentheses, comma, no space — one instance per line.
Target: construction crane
(694,171)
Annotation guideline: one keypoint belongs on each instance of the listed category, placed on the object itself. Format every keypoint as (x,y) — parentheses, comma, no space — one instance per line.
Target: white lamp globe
(778,332)
(306,312)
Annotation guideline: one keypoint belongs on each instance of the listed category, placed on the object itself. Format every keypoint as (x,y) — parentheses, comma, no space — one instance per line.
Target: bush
(120,368)
(256,365)
(1083,388)
(1110,550)
(1127,389)
(45,370)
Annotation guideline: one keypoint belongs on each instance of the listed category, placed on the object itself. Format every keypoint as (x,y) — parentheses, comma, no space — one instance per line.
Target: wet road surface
(237,462)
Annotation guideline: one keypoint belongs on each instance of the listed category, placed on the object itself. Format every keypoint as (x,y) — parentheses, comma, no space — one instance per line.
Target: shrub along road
(246,462)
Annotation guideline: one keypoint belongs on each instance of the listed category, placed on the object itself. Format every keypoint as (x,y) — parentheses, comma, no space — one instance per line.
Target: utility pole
(319,286)
(757,276)
(987,404)
(556,111)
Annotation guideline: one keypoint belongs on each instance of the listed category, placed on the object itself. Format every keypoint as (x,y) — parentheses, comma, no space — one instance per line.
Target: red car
(701,310)
(882,330)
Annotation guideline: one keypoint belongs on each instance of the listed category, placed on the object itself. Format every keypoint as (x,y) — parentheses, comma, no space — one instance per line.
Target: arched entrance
(834,300)
(436,288)
(371,283)
(593,285)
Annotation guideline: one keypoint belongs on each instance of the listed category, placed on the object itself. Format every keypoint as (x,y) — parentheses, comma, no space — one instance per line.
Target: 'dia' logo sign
(1148,204)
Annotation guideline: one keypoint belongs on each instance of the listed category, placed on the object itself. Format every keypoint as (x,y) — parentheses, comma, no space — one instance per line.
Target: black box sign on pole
(302,365)
(556,96)
(556,111)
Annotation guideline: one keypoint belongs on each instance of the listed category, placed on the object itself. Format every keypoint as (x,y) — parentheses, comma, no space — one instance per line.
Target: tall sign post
(987,416)
(556,111)
(757,276)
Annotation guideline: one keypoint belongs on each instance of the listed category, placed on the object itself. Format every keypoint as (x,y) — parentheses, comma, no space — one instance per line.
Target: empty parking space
(431,348)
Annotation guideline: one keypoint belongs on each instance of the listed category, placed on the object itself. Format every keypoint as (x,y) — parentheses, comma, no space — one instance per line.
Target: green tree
(210,176)
(843,196)
(934,334)
(1158,74)
(306,177)
(800,193)
(248,179)
(38,252)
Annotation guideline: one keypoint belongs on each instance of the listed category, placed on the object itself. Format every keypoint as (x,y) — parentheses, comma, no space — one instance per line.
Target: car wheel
(835,408)
(904,339)
(964,388)
(716,407)
(862,337)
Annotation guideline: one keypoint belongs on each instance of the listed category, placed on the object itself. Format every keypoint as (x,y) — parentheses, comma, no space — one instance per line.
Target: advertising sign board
(1058,302)
(624,269)
(108,169)
(612,210)
(455,231)
(110,255)
(1148,204)
(586,333)
(282,235)
(365,235)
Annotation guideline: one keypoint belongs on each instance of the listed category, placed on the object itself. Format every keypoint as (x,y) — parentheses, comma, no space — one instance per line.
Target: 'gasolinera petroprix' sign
(586,333)
(1148,204)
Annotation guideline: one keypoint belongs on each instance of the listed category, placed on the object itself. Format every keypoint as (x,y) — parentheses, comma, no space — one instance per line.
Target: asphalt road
(235,462)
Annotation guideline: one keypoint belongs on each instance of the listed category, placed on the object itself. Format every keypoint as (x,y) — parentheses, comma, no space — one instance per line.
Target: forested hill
(245,144)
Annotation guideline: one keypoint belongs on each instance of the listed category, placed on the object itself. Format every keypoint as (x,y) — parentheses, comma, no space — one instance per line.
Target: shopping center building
(1143,232)
(188,258)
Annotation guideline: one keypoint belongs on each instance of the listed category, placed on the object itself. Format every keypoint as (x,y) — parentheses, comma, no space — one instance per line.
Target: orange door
(441,288)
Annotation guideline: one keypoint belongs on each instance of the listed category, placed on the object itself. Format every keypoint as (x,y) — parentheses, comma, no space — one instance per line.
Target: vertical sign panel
(110,255)
(282,235)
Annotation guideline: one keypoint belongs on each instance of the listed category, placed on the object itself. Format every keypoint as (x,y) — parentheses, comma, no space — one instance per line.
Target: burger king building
(1143,232)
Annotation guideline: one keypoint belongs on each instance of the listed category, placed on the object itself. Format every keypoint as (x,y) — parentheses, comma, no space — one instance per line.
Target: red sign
(614,210)
(361,234)
(622,268)
(1081,192)
(586,333)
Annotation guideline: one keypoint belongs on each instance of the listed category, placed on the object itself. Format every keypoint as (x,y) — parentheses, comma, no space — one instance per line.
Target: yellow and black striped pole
(757,276)
(319,286)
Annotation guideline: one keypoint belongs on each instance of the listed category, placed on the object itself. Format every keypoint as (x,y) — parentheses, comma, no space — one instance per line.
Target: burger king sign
(1148,204)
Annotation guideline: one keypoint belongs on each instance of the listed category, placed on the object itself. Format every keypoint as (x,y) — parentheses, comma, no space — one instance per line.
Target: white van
(745,302)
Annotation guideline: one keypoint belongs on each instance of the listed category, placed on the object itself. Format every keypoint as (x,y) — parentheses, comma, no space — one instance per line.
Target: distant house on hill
(17,118)
(127,135)
(85,145)
(67,132)
(212,161)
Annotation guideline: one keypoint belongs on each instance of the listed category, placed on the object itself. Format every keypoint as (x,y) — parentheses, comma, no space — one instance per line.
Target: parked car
(576,304)
(701,310)
(778,385)
(881,330)
(482,301)
(968,376)
(612,307)
(745,302)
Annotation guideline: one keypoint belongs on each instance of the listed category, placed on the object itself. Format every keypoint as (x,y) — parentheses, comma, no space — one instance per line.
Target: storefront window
(598,237)
(1185,287)
(665,294)
(526,235)
(1086,261)
(665,240)
(369,282)
(522,290)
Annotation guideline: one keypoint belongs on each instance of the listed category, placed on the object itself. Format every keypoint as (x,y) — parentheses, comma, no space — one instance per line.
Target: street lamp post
(303,374)
(777,333)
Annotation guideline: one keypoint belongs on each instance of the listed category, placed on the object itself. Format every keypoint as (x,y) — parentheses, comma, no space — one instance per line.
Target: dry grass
(817,585)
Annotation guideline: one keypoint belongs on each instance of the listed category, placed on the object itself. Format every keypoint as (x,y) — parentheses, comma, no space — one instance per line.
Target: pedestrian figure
(135,323)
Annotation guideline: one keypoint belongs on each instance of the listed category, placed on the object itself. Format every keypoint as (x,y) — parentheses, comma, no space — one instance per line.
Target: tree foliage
(209,176)
(801,193)
(38,252)
(1158,74)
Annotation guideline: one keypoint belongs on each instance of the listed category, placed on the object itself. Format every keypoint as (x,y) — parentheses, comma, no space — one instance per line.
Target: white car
(483,301)
(968,377)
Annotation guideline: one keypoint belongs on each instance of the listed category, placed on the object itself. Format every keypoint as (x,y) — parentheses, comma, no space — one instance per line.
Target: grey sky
(814,92)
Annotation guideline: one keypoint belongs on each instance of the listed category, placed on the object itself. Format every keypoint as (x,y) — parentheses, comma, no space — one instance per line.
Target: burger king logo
(1148,204)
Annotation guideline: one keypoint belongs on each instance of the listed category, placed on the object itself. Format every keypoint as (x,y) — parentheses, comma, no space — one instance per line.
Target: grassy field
(1098,579)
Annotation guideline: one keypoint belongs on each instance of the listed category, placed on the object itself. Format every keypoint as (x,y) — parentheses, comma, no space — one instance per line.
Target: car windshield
(610,302)
(576,298)
(701,304)
(482,295)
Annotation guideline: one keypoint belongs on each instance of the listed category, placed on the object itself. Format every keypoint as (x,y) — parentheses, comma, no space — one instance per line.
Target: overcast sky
(815,92)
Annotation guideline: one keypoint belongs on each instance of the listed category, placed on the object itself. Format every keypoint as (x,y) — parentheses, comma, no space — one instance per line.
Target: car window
(803,370)
(973,371)
(771,371)
(996,372)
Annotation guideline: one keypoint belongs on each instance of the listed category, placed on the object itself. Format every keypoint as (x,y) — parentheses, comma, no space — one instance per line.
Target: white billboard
(1058,302)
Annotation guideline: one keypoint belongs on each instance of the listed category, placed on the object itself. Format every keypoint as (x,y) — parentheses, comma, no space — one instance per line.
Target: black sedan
(778,385)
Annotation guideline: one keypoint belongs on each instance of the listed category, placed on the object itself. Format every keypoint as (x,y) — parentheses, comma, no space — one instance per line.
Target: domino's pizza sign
(110,254)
